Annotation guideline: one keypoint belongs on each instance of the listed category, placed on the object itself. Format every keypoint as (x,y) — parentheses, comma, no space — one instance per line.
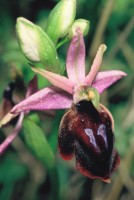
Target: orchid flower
(86,130)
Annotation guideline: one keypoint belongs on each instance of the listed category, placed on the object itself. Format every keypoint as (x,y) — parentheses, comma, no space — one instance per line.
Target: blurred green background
(22,176)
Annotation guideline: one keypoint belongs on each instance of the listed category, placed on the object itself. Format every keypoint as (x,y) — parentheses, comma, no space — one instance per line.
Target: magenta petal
(57,80)
(104,79)
(45,99)
(13,135)
(75,63)
(96,64)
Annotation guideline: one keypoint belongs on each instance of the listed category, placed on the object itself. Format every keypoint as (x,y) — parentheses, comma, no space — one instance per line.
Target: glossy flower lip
(87,134)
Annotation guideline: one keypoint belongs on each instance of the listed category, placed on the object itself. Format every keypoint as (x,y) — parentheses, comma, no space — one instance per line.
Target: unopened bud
(36,44)
(60,19)
(79,23)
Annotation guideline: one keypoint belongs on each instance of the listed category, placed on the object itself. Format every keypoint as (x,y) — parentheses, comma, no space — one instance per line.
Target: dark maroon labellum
(88,134)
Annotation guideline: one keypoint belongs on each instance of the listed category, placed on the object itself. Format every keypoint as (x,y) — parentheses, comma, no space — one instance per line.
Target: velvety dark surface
(88,134)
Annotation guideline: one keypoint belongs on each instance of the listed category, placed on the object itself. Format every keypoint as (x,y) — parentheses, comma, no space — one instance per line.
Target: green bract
(79,23)
(60,19)
(36,44)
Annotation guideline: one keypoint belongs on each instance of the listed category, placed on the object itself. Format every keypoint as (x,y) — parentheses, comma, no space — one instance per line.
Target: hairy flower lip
(104,109)
(72,141)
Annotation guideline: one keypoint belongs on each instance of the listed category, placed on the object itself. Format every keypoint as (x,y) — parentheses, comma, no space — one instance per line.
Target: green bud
(36,44)
(79,23)
(60,19)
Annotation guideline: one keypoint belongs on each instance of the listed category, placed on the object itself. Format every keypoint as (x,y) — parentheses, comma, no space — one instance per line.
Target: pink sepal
(12,136)
(45,99)
(75,64)
(57,80)
(96,64)
(106,78)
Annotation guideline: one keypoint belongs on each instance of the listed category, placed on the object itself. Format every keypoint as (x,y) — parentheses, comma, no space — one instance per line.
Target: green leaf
(12,173)
(38,144)
(55,129)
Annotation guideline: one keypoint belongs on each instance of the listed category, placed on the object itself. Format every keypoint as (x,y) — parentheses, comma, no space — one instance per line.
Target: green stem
(63,41)
(54,179)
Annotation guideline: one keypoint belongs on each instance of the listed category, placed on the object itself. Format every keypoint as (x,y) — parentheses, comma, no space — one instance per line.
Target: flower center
(89,94)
